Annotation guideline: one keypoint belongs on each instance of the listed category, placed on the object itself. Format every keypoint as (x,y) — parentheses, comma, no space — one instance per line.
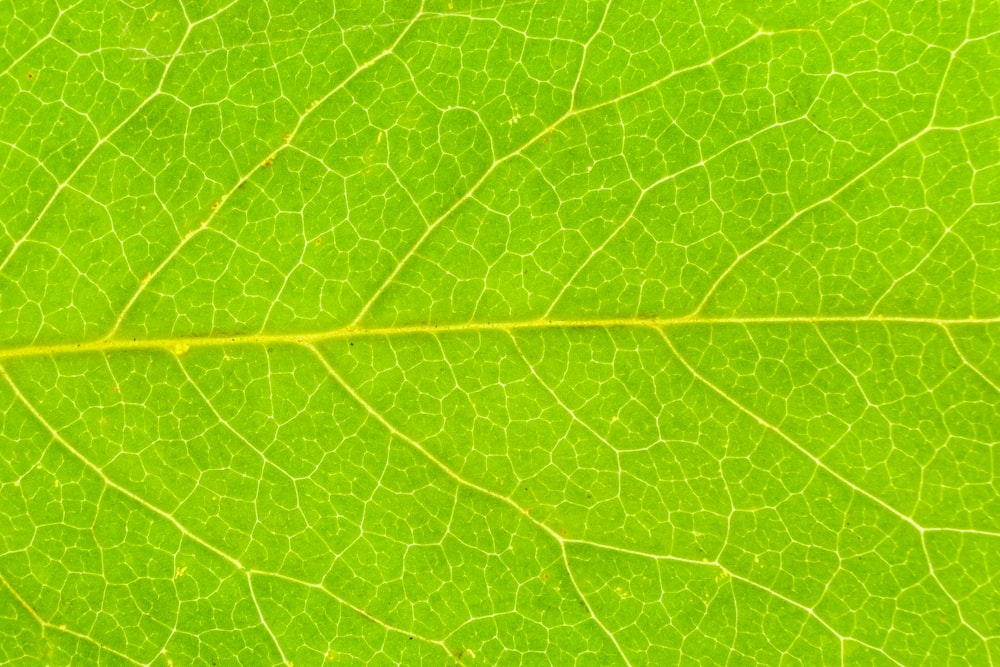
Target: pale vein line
(39,41)
(568,410)
(923,533)
(30,407)
(357,610)
(181,344)
(34,158)
(931,125)
(628,217)
(174,522)
(107,137)
(220,204)
(583,55)
(461,481)
(975,369)
(229,427)
(570,113)
(62,628)
(564,541)
(559,538)
(816,460)
(244,46)
(590,609)
(811,207)
(749,582)
(962,531)
(946,233)
(347,332)
(819,463)
(947,592)
(263,621)
(716,563)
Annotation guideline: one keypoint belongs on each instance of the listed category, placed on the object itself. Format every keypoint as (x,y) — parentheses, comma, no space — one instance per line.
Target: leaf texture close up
(500,333)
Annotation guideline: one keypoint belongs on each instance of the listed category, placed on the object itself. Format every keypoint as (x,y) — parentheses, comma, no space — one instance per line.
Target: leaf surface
(500,333)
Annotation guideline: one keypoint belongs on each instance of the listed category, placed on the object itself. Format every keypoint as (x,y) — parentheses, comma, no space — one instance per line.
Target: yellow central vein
(181,344)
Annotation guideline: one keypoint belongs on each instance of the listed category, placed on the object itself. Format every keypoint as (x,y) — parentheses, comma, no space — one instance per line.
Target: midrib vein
(181,344)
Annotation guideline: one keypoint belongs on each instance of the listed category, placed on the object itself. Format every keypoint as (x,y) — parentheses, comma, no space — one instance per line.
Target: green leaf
(500,333)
